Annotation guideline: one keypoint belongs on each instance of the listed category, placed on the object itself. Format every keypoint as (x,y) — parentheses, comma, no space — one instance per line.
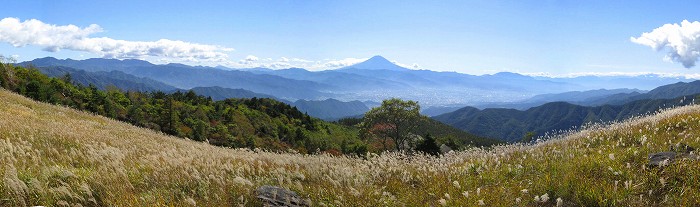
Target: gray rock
(445,149)
(666,158)
(661,159)
(278,196)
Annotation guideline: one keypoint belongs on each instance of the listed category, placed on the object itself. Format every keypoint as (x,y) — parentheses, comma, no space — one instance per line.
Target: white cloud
(615,74)
(248,60)
(277,65)
(301,60)
(251,61)
(251,58)
(412,66)
(53,38)
(343,62)
(284,62)
(681,41)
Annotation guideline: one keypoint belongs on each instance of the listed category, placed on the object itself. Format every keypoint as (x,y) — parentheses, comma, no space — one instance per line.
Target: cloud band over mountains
(70,37)
(681,41)
(54,38)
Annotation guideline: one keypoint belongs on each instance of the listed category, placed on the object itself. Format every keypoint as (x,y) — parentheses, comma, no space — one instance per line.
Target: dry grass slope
(56,156)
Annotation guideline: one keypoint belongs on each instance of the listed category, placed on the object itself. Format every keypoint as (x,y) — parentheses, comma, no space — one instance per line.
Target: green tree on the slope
(528,137)
(428,145)
(394,123)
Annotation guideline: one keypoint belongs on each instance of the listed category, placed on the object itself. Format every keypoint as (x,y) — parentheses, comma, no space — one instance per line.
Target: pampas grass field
(55,156)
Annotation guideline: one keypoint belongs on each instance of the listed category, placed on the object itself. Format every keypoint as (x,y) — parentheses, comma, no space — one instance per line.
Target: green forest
(237,123)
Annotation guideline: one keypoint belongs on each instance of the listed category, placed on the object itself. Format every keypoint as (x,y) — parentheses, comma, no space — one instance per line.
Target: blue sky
(475,37)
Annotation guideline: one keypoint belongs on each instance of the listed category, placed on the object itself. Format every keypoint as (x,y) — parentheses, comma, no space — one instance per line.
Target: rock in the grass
(661,159)
(682,148)
(679,151)
(278,196)
(445,149)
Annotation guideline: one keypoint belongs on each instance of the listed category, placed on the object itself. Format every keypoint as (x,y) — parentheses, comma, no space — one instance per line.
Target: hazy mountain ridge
(581,96)
(585,98)
(343,80)
(642,82)
(91,65)
(185,77)
(438,110)
(102,79)
(376,63)
(375,79)
(663,92)
(188,77)
(331,109)
(219,93)
(511,125)
(127,82)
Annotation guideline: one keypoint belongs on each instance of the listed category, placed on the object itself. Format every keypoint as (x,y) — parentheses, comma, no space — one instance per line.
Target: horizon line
(533,75)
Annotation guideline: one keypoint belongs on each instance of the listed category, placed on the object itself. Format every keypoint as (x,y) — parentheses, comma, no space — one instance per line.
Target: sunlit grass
(56,156)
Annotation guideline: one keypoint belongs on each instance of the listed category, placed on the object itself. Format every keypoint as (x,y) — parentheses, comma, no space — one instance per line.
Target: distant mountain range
(329,109)
(218,93)
(512,124)
(186,77)
(438,110)
(585,98)
(377,63)
(102,79)
(642,82)
(661,92)
(334,94)
(372,80)
(602,96)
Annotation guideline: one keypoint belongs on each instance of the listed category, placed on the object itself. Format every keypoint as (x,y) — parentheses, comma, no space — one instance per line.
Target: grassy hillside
(57,156)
